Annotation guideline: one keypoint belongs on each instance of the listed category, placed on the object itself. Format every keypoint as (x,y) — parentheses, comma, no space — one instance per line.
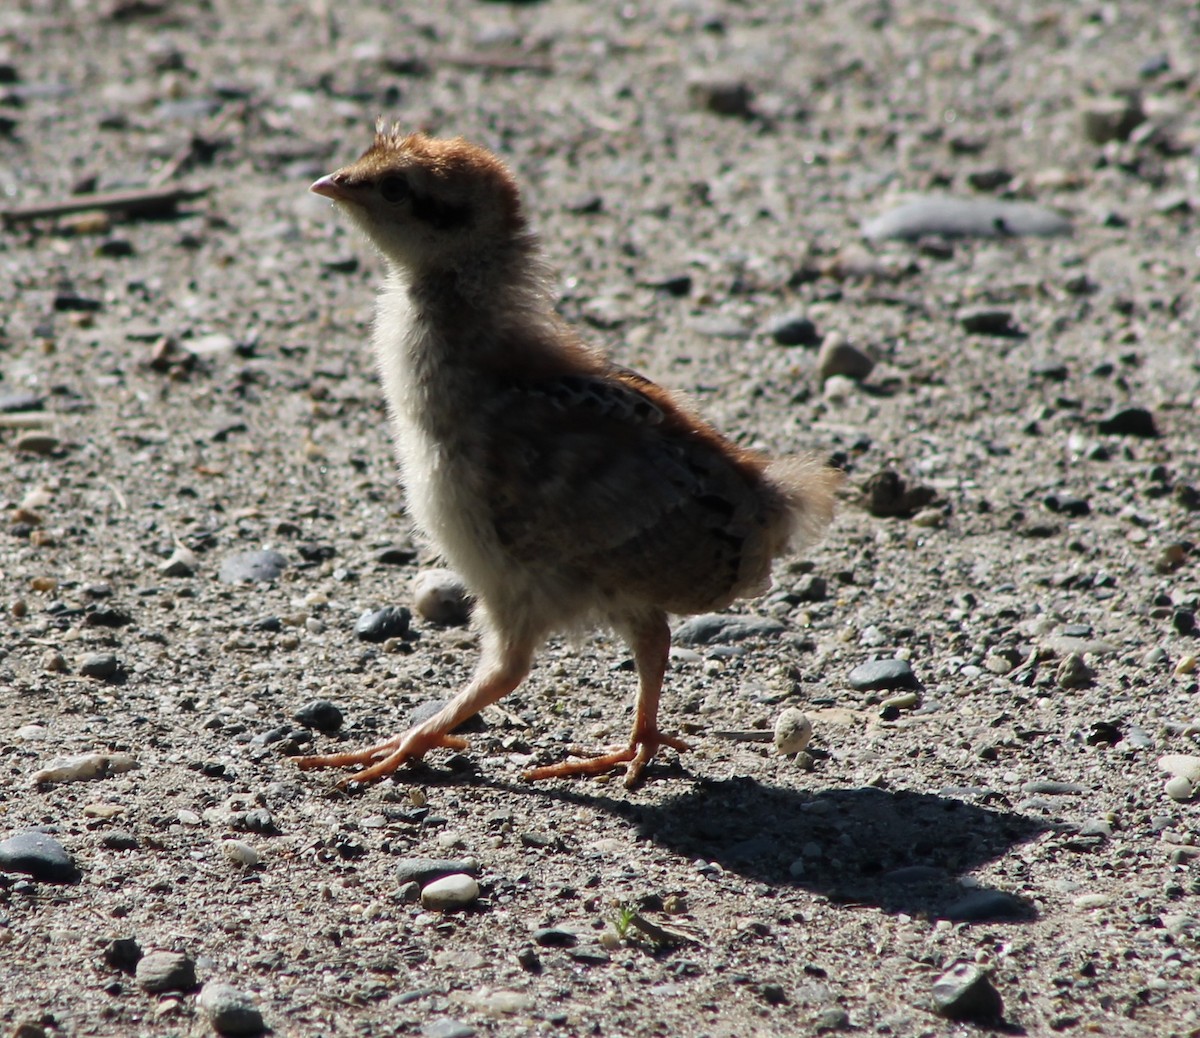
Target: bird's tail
(807,487)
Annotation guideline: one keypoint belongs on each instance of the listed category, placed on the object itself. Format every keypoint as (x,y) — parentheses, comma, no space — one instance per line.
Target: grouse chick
(568,491)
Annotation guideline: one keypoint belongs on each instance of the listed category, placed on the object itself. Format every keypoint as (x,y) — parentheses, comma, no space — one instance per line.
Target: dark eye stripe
(443,216)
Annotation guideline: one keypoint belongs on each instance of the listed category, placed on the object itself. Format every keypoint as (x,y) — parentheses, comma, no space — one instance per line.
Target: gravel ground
(1017,413)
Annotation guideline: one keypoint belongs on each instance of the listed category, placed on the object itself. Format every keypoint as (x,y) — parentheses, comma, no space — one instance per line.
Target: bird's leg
(651,641)
(501,669)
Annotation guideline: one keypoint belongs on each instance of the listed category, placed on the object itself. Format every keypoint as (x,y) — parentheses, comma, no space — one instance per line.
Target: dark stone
(794,331)
(887,495)
(11,402)
(882,675)
(319,714)
(123,954)
(1130,421)
(980,906)
(379,625)
(119,840)
(395,556)
(107,617)
(252,567)
(1048,787)
(549,937)
(965,992)
(1184,621)
(424,711)
(990,322)
(590,955)
(1067,504)
(425,870)
(38,855)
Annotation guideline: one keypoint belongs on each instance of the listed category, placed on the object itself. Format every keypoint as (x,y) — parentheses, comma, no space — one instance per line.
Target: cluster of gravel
(944,775)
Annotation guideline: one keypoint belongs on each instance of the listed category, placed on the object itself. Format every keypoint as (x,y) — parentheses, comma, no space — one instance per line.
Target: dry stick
(136,202)
(207,133)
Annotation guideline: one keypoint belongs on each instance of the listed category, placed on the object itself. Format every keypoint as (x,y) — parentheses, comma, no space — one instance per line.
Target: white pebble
(84,766)
(449,893)
(793,730)
(1180,788)
(240,853)
(441,597)
(1181,765)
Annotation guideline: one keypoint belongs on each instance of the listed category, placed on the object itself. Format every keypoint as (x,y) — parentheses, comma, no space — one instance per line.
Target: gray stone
(444,1027)
(425,870)
(38,855)
(839,357)
(229,1010)
(965,218)
(965,992)
(882,675)
(551,937)
(165,971)
(720,629)
(1048,787)
(258,567)
(1074,672)
(378,625)
(101,665)
(990,322)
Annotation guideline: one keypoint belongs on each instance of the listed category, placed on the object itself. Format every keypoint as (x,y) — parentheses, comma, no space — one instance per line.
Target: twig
(151,201)
(198,140)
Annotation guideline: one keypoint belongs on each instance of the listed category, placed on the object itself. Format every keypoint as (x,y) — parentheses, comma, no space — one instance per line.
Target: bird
(568,491)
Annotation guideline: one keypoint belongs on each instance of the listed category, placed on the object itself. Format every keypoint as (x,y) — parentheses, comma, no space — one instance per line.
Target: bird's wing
(607,477)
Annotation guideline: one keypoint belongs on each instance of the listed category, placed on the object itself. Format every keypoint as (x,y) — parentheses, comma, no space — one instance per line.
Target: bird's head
(427,203)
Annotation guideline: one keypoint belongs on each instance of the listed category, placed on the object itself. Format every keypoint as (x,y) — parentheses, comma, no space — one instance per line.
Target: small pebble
(320,714)
(378,625)
(182,563)
(965,992)
(1129,421)
(721,629)
(793,731)
(839,357)
(990,322)
(446,1028)
(449,893)
(794,330)
(84,767)
(123,954)
(1073,672)
(965,218)
(253,567)
(877,675)
(33,442)
(441,597)
(230,1011)
(722,97)
(161,971)
(425,870)
(102,665)
(1181,765)
(38,855)
(240,853)
(1180,788)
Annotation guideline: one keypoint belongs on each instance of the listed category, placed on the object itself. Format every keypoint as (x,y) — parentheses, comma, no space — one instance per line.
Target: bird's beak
(330,187)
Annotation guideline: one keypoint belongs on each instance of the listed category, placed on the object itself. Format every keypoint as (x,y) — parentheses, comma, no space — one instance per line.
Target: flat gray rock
(38,855)
(964,218)
(719,629)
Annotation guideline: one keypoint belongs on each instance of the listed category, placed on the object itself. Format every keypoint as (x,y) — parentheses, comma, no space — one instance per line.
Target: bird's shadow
(899,851)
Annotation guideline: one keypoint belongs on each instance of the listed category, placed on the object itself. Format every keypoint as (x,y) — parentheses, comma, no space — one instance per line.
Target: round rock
(38,855)
(450,893)
(229,1010)
(719,629)
(441,597)
(320,714)
(794,330)
(166,971)
(102,665)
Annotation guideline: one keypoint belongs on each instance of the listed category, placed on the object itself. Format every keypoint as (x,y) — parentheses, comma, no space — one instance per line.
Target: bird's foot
(383,758)
(636,755)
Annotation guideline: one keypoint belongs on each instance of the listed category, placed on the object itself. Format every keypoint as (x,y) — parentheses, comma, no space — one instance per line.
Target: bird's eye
(393,188)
